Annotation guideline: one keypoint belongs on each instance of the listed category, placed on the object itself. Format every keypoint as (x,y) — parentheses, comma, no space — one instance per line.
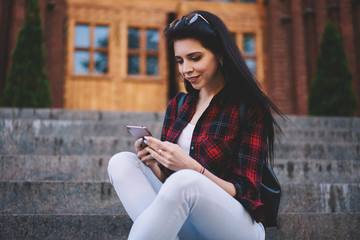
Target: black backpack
(270,191)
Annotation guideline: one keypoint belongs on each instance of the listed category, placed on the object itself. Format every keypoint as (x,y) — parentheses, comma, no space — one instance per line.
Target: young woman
(202,179)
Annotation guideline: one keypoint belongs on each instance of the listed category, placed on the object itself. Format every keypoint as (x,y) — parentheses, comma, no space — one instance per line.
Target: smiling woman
(202,179)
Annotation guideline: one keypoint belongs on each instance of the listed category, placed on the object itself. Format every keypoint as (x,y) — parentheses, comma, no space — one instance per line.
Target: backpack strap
(242,114)
(181,102)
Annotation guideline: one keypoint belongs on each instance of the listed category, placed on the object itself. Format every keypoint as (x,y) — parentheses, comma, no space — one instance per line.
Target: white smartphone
(138,131)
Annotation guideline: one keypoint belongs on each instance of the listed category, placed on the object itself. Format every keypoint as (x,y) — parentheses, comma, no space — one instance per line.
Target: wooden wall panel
(118,91)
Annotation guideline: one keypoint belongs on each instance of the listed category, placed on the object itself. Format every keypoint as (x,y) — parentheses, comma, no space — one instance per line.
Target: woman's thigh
(212,211)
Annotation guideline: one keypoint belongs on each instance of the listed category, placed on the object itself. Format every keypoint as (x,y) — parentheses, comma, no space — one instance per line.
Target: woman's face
(198,65)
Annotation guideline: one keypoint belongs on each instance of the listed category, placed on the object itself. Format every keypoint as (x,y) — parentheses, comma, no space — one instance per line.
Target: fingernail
(140,140)
(146,137)
(147,149)
(145,141)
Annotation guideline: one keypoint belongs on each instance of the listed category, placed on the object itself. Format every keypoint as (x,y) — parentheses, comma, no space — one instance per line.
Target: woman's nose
(187,67)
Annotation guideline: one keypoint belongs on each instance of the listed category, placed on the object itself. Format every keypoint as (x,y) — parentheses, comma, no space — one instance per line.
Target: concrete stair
(54,183)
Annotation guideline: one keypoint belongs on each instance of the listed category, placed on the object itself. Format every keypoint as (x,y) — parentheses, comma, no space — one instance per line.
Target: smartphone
(138,131)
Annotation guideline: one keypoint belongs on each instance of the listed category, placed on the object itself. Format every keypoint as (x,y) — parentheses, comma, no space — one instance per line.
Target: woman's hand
(170,155)
(142,153)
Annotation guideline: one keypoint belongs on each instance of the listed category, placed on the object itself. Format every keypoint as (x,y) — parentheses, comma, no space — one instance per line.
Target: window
(143,51)
(91,49)
(247,45)
(249,51)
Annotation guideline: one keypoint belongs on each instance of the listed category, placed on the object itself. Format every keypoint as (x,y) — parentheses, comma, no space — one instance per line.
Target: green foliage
(27,84)
(331,92)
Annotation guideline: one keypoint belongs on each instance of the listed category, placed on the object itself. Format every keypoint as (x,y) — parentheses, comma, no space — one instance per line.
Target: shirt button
(192,147)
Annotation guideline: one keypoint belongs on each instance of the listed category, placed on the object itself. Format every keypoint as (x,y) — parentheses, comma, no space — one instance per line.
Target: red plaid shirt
(231,152)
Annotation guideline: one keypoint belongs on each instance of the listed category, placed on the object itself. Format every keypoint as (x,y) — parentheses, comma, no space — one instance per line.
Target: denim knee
(120,163)
(181,183)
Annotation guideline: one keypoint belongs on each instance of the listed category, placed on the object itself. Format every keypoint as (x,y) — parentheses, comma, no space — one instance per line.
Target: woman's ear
(221,61)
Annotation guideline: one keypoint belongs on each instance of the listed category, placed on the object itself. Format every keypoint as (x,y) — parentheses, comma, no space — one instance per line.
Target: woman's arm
(247,170)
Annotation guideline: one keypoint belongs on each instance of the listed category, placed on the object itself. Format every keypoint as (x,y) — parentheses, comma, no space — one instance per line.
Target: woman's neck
(209,92)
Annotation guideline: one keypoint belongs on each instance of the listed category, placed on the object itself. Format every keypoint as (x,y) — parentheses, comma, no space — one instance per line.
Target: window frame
(252,56)
(143,53)
(239,38)
(91,49)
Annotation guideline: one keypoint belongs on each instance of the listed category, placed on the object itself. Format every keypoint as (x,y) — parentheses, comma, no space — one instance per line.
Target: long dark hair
(240,83)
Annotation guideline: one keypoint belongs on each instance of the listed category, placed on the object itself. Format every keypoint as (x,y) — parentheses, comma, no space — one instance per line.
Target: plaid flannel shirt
(222,146)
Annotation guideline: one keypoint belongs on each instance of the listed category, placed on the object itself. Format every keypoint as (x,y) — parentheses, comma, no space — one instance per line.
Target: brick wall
(294,33)
(54,17)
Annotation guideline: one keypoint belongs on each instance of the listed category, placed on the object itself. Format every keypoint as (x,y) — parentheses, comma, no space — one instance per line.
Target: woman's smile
(193,80)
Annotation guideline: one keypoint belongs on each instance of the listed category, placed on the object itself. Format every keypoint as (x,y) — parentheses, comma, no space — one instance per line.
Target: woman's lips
(192,79)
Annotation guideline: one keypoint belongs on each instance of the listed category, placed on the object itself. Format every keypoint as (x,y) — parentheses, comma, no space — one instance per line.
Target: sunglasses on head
(188,20)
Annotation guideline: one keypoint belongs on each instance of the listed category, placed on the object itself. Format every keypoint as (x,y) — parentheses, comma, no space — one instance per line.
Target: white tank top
(184,140)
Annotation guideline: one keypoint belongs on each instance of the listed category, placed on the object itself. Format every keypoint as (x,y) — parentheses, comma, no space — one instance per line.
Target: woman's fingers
(138,144)
(152,152)
(153,143)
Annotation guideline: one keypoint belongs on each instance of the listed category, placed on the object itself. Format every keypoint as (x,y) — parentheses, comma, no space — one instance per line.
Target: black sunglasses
(188,20)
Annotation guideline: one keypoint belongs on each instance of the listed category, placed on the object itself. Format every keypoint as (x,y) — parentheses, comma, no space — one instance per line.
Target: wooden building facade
(110,54)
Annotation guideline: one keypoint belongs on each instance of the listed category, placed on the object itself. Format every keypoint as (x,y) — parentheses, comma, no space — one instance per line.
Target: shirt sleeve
(247,169)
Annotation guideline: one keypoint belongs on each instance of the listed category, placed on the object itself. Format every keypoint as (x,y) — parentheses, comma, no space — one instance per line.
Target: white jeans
(187,206)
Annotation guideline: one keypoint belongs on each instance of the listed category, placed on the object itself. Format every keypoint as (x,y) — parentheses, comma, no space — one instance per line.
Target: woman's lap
(186,201)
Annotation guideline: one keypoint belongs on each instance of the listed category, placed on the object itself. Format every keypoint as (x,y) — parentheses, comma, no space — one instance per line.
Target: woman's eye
(178,61)
(196,58)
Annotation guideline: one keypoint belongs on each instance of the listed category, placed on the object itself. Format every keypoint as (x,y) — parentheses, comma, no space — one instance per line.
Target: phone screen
(138,131)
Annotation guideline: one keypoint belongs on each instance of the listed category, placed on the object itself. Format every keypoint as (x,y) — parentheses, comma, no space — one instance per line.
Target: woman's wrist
(196,166)
(202,169)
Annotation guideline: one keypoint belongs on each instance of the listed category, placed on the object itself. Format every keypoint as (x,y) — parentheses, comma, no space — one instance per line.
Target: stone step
(344,226)
(77,145)
(63,114)
(100,198)
(89,128)
(59,146)
(306,150)
(94,168)
(54,168)
(318,135)
(64,128)
(55,227)
(302,122)
(59,198)
(305,171)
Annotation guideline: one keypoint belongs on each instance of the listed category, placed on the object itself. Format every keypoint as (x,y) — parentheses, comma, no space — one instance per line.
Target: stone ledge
(46,127)
(54,227)
(344,226)
(79,145)
(65,114)
(100,198)
(94,168)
